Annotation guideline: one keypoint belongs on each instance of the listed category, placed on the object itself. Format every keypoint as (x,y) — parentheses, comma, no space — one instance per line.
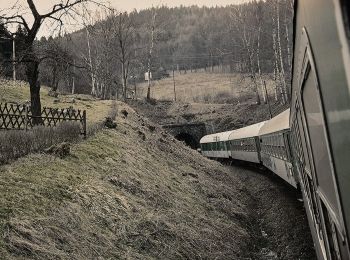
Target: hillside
(136,193)
(120,195)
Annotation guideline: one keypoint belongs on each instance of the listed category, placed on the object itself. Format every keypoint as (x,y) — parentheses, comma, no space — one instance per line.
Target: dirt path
(279,227)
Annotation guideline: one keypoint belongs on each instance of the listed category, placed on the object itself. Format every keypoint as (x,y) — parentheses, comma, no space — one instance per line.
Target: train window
(345,5)
(317,135)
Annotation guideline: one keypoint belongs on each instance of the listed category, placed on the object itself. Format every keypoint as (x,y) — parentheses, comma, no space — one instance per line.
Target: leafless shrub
(15,144)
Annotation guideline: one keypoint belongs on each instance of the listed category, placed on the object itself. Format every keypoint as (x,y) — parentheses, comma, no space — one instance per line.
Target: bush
(18,143)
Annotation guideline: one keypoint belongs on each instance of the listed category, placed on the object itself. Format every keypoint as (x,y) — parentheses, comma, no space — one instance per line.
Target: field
(203,87)
(18,93)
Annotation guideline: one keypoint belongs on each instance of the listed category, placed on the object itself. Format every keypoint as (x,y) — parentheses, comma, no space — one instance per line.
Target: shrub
(18,143)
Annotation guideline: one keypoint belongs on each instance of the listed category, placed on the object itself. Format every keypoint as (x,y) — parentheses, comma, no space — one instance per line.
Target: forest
(115,50)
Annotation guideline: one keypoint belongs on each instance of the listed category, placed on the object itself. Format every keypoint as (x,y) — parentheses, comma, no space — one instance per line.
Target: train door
(312,121)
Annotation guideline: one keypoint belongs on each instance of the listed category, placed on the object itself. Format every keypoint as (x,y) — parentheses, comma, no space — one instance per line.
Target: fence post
(84,123)
(26,117)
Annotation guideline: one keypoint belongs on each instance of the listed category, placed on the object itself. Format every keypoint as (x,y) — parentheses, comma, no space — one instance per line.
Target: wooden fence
(19,117)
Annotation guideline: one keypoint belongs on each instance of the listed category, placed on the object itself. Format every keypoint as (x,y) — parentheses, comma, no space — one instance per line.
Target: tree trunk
(93,78)
(283,77)
(277,74)
(54,84)
(258,63)
(251,66)
(174,85)
(124,79)
(32,76)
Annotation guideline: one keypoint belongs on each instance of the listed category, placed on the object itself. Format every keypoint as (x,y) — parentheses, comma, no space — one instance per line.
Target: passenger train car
(320,120)
(275,150)
(309,144)
(241,144)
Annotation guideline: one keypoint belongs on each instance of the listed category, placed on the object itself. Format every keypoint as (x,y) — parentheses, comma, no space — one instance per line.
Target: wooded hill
(115,49)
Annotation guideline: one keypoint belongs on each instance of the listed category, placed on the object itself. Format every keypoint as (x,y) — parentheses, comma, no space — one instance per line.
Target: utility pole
(73,83)
(174,84)
(134,87)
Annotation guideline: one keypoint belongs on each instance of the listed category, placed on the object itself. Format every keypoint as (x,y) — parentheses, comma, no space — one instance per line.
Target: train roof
(276,124)
(246,132)
(218,137)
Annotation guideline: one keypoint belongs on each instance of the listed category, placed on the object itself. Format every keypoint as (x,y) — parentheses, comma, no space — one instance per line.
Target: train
(308,145)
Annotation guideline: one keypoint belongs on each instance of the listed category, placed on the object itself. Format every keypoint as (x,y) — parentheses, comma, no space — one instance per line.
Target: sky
(121,5)
(137,4)
(129,5)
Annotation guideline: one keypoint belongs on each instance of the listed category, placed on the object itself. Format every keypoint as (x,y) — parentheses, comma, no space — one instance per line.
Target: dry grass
(204,87)
(129,193)
(18,92)
(15,144)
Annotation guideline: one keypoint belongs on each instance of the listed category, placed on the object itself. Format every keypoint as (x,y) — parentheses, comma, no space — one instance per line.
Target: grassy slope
(133,192)
(96,110)
(205,87)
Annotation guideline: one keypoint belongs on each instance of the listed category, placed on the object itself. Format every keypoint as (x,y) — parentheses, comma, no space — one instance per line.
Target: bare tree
(57,14)
(283,78)
(247,32)
(259,18)
(56,61)
(124,31)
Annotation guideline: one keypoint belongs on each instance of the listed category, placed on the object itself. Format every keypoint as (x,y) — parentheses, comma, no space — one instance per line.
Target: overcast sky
(121,5)
(129,5)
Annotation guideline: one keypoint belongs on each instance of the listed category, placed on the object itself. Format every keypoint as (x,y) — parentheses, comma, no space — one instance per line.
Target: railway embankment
(279,227)
(135,192)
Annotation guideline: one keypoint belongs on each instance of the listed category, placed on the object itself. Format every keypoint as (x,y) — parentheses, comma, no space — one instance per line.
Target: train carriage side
(320,120)
(244,143)
(275,151)
(216,145)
